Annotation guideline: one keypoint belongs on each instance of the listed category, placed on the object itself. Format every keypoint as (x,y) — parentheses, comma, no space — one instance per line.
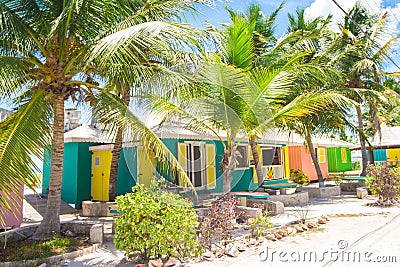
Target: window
(192,158)
(344,155)
(97,161)
(271,156)
(242,157)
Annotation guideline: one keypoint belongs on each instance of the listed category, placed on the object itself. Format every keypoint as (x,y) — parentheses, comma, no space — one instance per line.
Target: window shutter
(182,158)
(210,166)
(321,155)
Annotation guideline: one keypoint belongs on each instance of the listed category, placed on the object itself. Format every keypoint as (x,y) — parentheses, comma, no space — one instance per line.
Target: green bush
(384,181)
(299,177)
(155,224)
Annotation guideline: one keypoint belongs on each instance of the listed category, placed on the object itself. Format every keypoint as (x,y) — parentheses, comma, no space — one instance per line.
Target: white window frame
(247,156)
(203,162)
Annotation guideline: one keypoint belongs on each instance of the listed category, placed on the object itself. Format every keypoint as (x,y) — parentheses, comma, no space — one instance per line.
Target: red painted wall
(10,220)
(299,158)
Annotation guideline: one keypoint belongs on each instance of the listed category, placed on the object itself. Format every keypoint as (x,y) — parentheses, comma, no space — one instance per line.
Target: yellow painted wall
(393,156)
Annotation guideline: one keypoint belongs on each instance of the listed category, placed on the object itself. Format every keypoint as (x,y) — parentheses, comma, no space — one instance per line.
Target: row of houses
(88,153)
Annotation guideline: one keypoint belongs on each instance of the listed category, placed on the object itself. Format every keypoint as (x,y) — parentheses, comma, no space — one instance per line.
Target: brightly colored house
(332,154)
(199,155)
(386,146)
(77,171)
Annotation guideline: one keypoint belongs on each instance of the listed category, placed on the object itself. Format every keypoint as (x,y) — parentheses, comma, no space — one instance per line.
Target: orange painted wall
(299,158)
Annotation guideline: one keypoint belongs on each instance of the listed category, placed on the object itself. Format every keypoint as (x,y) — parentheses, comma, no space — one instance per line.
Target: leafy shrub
(259,224)
(216,224)
(384,181)
(155,223)
(299,177)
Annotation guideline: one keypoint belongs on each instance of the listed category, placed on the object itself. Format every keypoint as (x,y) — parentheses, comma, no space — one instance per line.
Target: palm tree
(362,53)
(237,96)
(44,48)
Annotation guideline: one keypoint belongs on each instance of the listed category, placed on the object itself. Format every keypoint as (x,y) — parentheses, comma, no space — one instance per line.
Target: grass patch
(33,249)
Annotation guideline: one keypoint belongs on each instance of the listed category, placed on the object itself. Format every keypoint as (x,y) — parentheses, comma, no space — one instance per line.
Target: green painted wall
(127,170)
(335,163)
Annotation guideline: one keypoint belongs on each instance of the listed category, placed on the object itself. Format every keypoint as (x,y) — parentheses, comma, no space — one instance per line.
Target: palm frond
(113,113)
(23,135)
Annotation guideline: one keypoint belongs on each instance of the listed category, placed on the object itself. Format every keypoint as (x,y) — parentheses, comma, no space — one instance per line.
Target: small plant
(384,181)
(299,177)
(259,224)
(216,224)
(155,224)
(302,211)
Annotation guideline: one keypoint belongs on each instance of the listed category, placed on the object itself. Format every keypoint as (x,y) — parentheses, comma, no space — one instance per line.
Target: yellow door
(146,167)
(101,164)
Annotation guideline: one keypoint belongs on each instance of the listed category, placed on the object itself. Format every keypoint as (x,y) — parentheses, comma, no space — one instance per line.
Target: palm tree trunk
(116,155)
(228,164)
(50,224)
(314,159)
(257,164)
(362,142)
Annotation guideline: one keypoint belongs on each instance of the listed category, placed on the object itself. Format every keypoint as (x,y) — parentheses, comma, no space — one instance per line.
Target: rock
(207,255)
(326,218)
(252,242)
(271,237)
(140,265)
(312,225)
(155,263)
(231,250)
(173,262)
(96,233)
(43,265)
(304,227)
(261,240)
(321,221)
(278,236)
(241,247)
(220,252)
(298,229)
(69,233)
(283,233)
(362,192)
(291,231)
(250,221)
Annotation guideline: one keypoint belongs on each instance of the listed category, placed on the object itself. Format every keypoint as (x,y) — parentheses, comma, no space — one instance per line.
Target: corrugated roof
(390,137)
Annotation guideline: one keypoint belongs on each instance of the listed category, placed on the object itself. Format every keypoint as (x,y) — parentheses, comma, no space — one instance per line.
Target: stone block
(97,209)
(295,199)
(249,212)
(324,192)
(274,207)
(362,192)
(351,186)
(97,233)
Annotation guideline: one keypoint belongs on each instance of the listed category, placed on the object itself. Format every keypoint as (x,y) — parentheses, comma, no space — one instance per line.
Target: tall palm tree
(238,96)
(361,53)
(44,48)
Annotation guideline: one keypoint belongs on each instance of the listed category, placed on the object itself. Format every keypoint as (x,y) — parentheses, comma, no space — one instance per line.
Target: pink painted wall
(299,158)
(13,221)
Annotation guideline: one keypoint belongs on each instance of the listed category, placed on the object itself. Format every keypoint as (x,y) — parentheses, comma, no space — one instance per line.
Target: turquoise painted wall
(127,170)
(77,173)
(242,179)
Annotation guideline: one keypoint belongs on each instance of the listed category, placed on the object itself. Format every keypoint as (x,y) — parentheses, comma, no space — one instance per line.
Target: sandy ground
(356,235)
